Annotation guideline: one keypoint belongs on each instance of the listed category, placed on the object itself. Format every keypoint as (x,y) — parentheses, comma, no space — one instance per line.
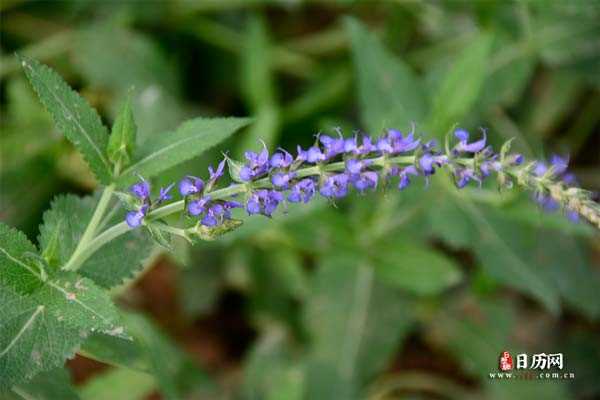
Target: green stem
(171,229)
(90,230)
(83,252)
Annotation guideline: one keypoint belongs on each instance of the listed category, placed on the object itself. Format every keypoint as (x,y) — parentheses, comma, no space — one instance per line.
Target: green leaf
(73,116)
(191,139)
(413,267)
(39,331)
(568,265)
(116,351)
(50,385)
(175,373)
(18,271)
(121,142)
(475,332)
(390,94)
(258,86)
(118,383)
(503,247)
(114,262)
(270,371)
(461,86)
(345,315)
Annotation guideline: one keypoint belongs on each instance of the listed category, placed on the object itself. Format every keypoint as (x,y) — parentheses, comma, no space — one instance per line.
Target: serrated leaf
(390,93)
(73,116)
(63,225)
(17,271)
(191,139)
(117,260)
(345,313)
(461,86)
(30,339)
(415,268)
(121,142)
(39,331)
(51,385)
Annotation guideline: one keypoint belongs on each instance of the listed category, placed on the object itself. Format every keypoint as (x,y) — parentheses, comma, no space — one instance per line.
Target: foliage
(334,302)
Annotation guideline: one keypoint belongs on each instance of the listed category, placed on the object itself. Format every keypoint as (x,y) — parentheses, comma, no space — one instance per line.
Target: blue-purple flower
(215,175)
(464,175)
(257,164)
(463,145)
(282,179)
(365,180)
(335,186)
(281,159)
(302,191)
(333,146)
(395,142)
(217,212)
(404,174)
(198,206)
(190,185)
(263,202)
(134,218)
(141,190)
(164,194)
(313,155)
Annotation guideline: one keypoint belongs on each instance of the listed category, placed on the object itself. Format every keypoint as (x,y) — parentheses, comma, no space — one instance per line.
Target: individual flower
(313,155)
(335,186)
(427,164)
(134,218)
(464,175)
(141,190)
(281,179)
(560,165)
(302,191)
(164,194)
(404,176)
(362,180)
(463,145)
(333,146)
(365,180)
(197,207)
(281,159)
(190,185)
(263,202)
(215,175)
(257,164)
(395,142)
(354,166)
(490,165)
(217,212)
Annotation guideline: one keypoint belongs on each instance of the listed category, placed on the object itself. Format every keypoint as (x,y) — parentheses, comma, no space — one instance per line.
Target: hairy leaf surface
(73,116)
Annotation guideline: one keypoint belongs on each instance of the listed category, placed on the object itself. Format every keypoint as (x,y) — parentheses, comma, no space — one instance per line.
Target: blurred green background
(386,295)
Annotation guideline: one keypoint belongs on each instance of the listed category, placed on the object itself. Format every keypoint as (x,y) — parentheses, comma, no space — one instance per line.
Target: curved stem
(84,251)
(90,230)
(89,247)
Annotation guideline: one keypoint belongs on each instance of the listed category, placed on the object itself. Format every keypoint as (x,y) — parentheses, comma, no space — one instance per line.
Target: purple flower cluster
(143,203)
(557,169)
(332,166)
(199,204)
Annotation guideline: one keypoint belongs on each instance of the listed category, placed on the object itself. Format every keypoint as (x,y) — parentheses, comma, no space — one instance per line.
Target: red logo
(506,361)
